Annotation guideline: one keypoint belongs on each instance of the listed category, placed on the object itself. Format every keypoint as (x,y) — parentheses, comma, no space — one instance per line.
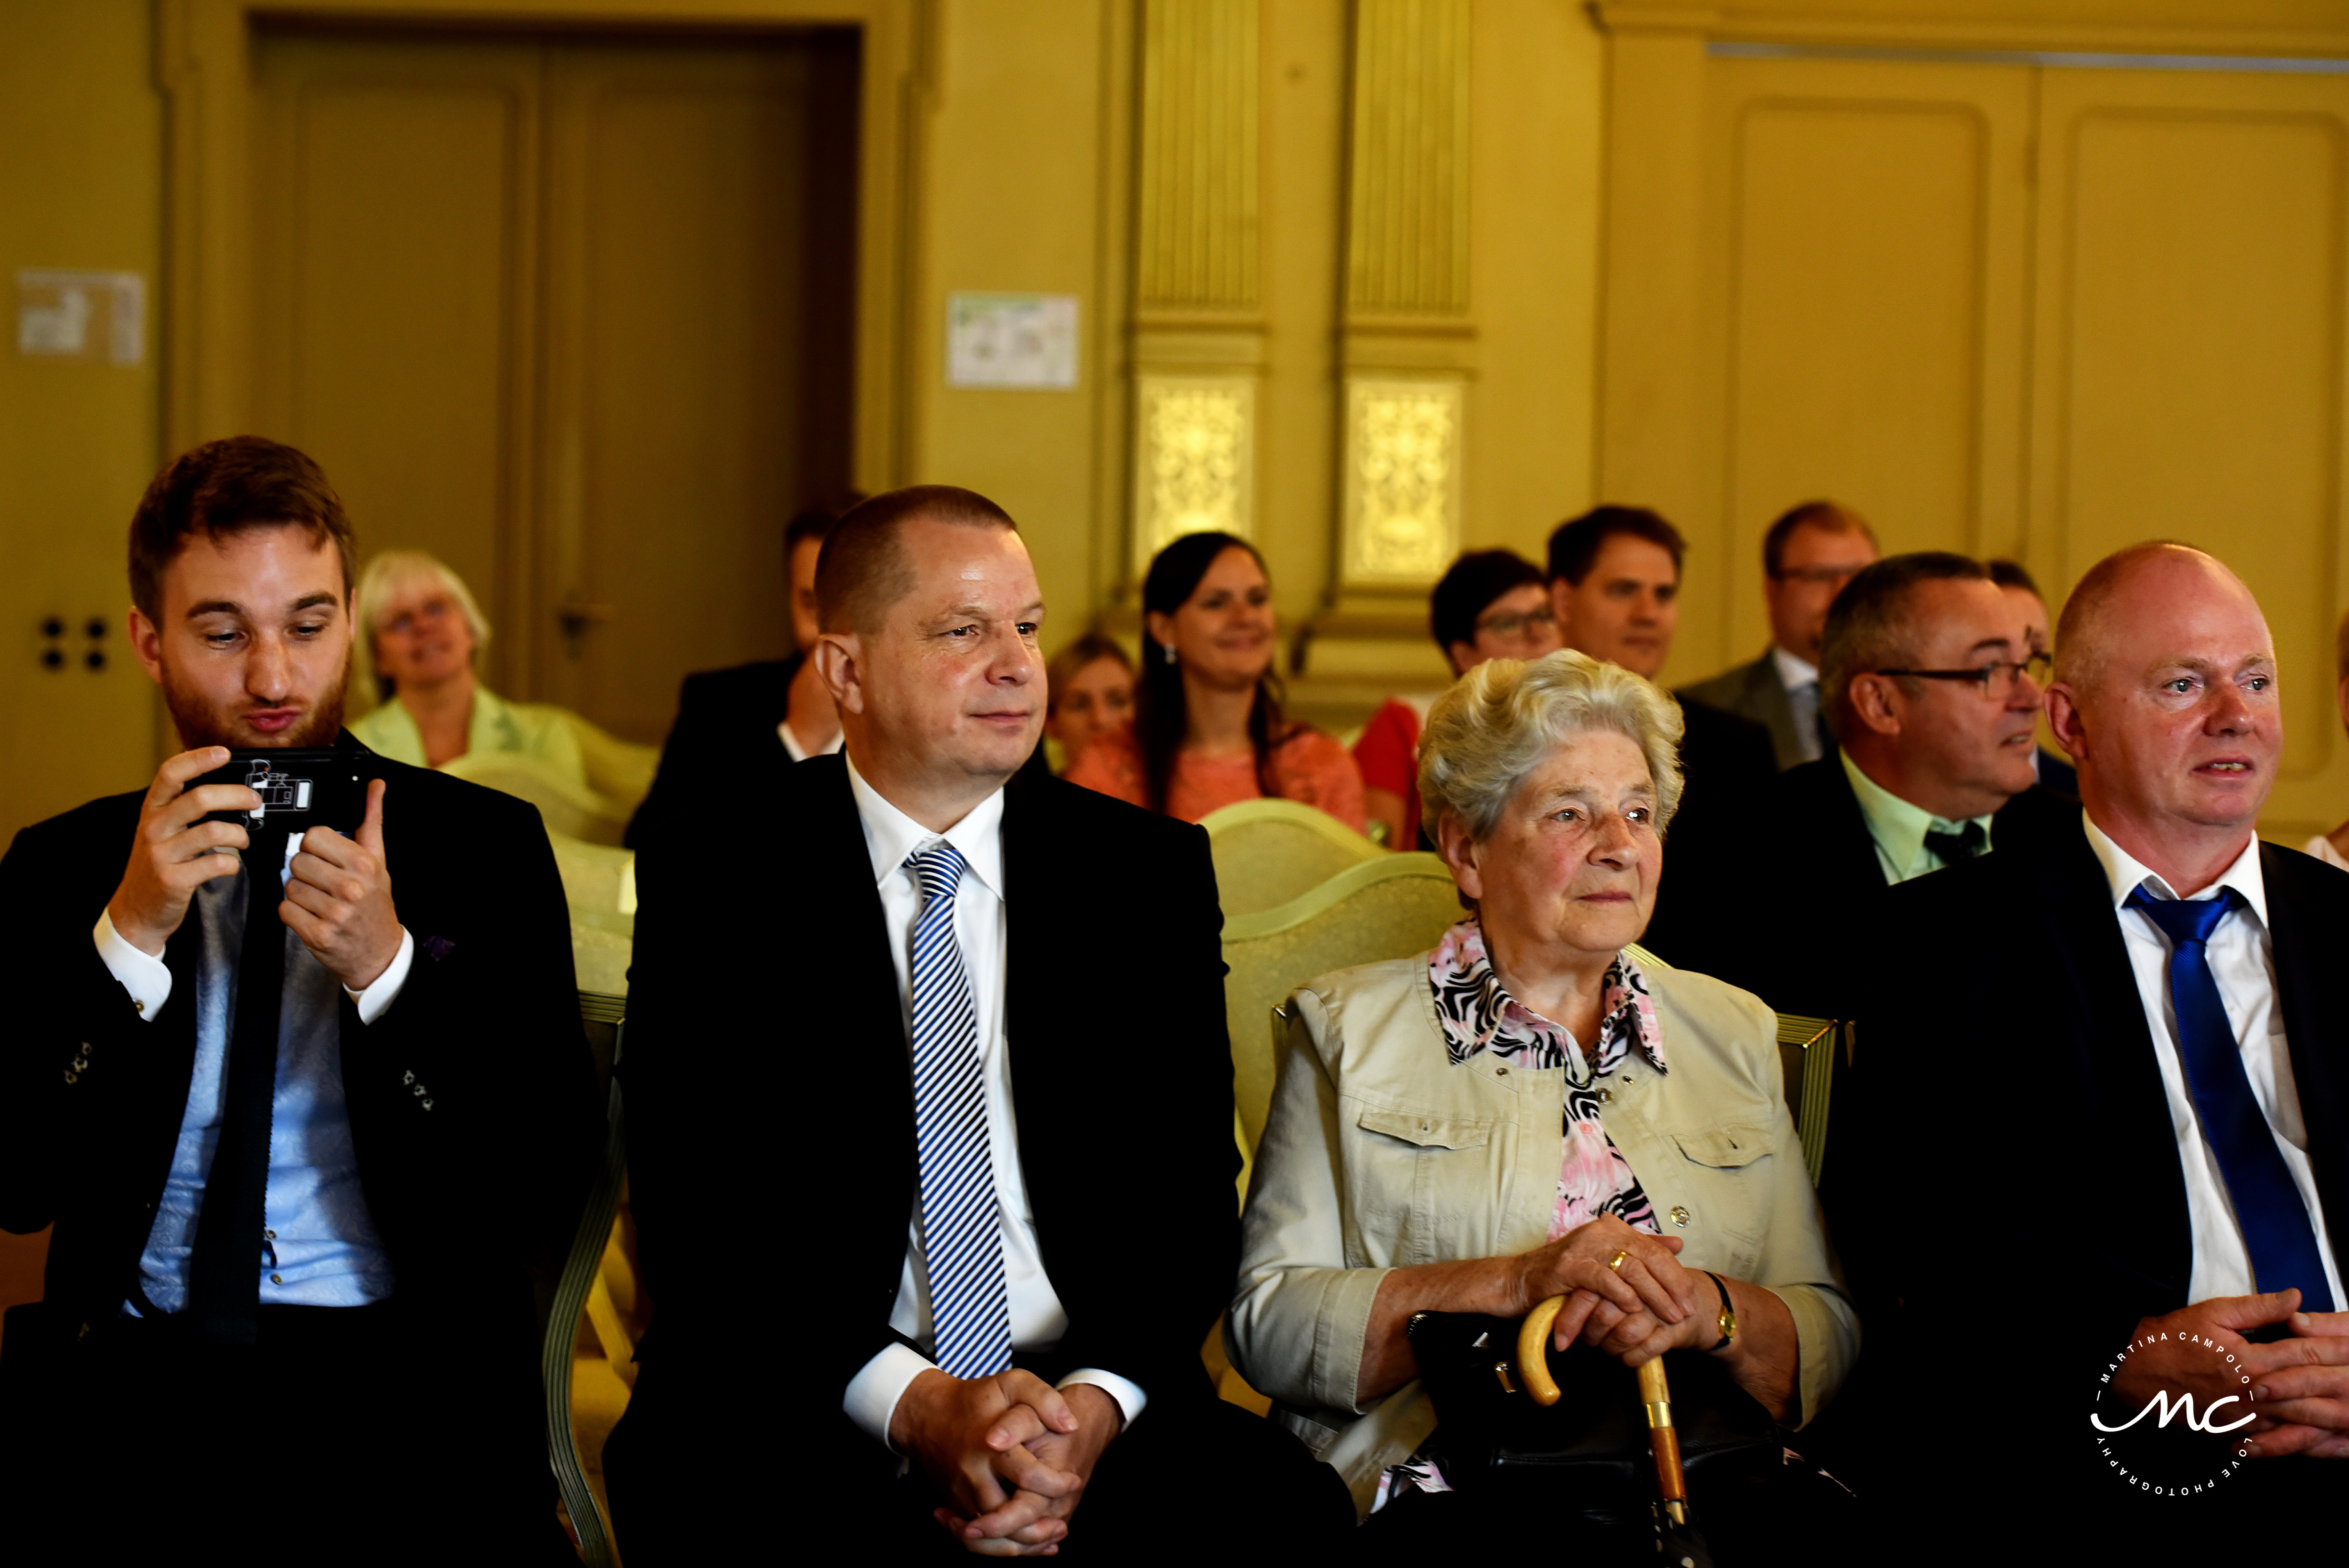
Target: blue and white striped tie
(962,1240)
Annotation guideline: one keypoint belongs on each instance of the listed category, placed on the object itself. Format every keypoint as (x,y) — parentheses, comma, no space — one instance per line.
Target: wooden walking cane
(1655,1394)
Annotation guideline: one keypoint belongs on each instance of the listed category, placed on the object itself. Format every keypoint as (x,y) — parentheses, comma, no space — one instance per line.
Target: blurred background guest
(2332,848)
(726,715)
(2023,595)
(422,641)
(1208,726)
(1548,786)
(1090,692)
(1615,584)
(1807,555)
(1490,604)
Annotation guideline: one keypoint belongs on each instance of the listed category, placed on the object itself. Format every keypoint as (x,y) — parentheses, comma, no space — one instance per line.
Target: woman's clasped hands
(1626,1294)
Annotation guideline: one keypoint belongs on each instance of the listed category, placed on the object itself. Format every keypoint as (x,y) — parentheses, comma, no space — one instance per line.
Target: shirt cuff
(379,997)
(143,975)
(873,1394)
(1128,1396)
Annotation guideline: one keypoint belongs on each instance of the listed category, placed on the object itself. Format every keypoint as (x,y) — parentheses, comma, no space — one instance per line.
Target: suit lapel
(1766,699)
(832,869)
(2310,995)
(2122,1136)
(1855,867)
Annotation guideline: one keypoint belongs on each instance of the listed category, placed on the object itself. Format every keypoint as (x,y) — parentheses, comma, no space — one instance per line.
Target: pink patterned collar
(1478,1014)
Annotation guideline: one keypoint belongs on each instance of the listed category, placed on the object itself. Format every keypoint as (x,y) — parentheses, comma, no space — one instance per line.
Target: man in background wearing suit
(724,716)
(2023,593)
(1615,584)
(1934,694)
(950,1211)
(1807,555)
(2116,1064)
(295,1182)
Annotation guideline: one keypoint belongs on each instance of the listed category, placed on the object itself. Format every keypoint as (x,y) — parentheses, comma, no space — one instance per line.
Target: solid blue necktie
(962,1239)
(2267,1201)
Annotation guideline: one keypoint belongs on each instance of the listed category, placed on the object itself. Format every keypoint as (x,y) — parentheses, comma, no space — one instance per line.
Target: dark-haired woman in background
(1208,726)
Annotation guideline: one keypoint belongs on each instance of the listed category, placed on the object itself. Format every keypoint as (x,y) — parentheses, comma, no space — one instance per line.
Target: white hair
(1502,720)
(389,575)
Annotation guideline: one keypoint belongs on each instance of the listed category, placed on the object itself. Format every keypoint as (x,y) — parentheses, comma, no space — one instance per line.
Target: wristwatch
(1727,1321)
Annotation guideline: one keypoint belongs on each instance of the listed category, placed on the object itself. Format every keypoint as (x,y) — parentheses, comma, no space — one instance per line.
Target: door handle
(576,617)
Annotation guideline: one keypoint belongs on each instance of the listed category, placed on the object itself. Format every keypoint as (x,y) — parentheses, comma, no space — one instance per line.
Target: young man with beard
(294,1184)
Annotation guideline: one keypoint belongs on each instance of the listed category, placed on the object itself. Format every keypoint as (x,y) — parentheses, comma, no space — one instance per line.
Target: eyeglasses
(1510,626)
(1986,675)
(432,611)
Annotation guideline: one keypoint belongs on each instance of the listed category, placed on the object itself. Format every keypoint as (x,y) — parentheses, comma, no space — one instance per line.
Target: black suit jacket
(1776,906)
(771,1154)
(462,1195)
(725,720)
(2005,1105)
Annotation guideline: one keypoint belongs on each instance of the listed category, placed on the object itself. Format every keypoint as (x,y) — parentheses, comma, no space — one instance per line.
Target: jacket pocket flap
(1427,1129)
(1724,1148)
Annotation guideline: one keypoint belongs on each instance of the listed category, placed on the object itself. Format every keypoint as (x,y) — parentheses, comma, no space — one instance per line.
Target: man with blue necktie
(929,1099)
(2123,1121)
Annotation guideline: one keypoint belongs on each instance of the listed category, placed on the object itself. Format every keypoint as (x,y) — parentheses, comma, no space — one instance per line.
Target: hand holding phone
(173,853)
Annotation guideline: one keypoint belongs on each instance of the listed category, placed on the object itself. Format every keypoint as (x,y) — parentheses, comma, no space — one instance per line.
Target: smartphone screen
(299,790)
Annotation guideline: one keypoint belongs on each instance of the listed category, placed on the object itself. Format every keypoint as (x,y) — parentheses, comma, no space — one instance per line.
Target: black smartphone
(300,788)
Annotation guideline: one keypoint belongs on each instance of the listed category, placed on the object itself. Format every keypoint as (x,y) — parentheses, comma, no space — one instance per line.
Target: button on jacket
(1379,1153)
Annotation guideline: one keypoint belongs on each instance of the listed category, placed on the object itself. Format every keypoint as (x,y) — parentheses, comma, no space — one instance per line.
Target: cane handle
(1533,1352)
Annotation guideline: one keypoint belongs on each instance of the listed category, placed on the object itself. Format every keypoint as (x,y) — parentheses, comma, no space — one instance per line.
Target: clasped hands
(2299,1384)
(337,900)
(1011,1453)
(1634,1311)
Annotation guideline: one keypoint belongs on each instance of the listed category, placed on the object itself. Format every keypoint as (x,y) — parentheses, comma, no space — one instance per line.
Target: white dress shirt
(799,753)
(2241,954)
(1801,679)
(1038,1318)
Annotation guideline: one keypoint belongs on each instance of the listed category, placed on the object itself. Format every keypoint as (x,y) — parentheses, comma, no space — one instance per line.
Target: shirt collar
(2124,873)
(1898,826)
(891,835)
(1792,670)
(1477,1013)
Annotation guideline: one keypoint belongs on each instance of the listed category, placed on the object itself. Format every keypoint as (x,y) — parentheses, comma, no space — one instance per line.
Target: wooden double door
(575,315)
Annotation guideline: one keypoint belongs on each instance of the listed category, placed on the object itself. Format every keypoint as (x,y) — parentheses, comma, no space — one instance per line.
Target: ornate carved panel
(1194,466)
(1402,481)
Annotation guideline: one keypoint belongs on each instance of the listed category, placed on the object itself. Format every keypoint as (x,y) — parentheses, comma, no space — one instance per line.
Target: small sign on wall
(81,315)
(1011,340)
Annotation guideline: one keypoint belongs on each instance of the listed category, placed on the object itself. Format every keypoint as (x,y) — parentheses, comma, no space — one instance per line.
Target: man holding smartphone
(298,1135)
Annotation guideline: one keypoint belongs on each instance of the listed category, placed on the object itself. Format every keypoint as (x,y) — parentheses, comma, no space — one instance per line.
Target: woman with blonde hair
(420,640)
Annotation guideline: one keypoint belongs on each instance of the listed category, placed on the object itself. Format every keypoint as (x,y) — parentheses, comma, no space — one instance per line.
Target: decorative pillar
(1198,338)
(1406,343)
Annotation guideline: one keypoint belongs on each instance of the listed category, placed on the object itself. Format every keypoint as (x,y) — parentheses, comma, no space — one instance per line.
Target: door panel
(697,398)
(395,211)
(2192,287)
(1865,271)
(574,315)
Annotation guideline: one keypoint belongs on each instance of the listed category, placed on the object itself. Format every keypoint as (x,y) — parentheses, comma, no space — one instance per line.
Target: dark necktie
(1962,845)
(224,1271)
(2267,1202)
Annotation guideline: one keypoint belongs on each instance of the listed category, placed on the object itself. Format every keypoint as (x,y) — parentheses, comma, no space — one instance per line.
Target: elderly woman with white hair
(1526,1111)
(421,636)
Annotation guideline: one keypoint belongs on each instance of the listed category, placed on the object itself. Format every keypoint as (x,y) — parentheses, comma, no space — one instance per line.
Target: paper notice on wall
(81,315)
(1011,340)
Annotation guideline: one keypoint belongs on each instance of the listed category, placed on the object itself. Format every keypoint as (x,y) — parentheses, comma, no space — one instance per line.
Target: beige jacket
(1379,1154)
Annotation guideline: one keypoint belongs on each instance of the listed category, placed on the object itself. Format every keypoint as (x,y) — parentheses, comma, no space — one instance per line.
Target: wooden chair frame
(580,1272)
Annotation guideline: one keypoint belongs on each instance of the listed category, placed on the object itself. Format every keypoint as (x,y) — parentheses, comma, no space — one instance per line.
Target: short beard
(200,725)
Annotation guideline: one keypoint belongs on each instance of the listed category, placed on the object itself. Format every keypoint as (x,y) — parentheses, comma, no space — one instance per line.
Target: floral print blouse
(1594,1179)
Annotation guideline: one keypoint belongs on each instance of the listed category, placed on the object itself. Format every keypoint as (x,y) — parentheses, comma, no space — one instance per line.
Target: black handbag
(1587,1454)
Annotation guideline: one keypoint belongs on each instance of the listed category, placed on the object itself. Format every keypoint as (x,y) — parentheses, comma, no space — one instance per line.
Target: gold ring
(1616,1263)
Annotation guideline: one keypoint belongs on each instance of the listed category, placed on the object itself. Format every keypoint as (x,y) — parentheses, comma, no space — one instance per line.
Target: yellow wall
(80,188)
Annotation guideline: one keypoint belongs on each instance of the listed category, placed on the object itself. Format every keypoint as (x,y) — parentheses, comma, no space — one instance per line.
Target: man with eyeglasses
(1933,691)
(1490,604)
(1808,556)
